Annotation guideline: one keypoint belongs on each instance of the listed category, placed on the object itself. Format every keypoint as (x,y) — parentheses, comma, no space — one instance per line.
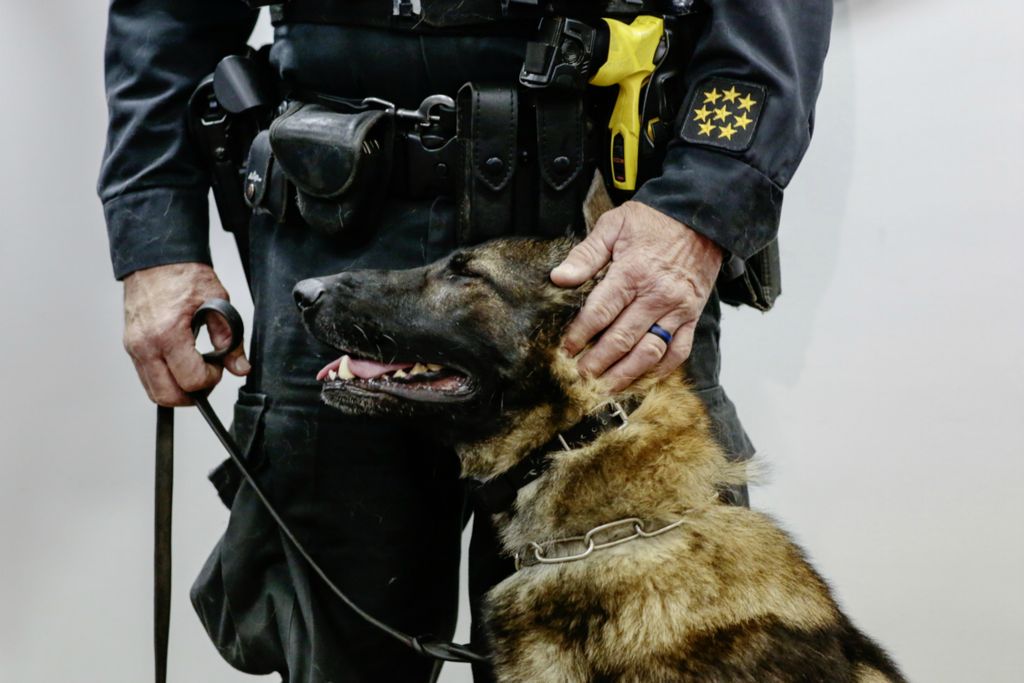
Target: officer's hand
(661,272)
(158,307)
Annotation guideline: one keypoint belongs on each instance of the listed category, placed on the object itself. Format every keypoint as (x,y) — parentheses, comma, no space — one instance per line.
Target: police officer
(381,507)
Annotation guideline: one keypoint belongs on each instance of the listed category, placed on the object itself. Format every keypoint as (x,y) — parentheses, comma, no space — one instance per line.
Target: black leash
(423,645)
(162,538)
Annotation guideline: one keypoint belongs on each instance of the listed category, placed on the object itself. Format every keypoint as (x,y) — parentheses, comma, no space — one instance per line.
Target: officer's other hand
(158,307)
(660,272)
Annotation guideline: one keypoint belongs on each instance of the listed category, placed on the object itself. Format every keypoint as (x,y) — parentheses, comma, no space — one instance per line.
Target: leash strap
(424,645)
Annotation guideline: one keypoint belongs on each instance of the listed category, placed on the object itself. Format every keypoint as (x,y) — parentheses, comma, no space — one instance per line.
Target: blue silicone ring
(659,331)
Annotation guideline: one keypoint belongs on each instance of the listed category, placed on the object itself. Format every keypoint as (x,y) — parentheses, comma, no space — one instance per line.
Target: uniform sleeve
(747,121)
(153,188)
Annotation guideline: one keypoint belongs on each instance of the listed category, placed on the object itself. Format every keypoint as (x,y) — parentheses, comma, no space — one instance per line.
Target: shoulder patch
(724,113)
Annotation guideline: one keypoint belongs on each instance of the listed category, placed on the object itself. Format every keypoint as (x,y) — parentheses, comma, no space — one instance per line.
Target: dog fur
(725,597)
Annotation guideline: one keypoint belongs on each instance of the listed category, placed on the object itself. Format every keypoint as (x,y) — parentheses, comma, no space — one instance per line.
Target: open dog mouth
(414,381)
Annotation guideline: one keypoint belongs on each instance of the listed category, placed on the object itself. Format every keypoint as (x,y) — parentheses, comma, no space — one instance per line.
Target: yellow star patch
(726,114)
(702,114)
(743,121)
(747,102)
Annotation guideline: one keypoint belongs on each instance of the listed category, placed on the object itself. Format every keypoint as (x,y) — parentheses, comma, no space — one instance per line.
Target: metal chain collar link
(634,528)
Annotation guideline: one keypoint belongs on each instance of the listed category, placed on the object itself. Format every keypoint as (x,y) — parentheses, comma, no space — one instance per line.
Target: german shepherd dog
(680,587)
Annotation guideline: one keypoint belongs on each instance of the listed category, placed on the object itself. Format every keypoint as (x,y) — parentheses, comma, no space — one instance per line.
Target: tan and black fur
(726,597)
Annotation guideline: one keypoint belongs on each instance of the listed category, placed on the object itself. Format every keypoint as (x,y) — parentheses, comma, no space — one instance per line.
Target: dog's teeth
(343,371)
(399,374)
(332,375)
(434,367)
(418,369)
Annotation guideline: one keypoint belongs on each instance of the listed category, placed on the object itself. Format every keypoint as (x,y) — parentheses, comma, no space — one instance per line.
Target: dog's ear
(598,201)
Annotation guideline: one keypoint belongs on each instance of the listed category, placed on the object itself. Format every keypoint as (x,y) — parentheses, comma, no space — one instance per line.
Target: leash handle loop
(225,310)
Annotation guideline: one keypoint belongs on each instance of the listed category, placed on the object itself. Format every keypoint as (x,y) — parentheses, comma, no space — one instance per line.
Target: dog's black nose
(307,293)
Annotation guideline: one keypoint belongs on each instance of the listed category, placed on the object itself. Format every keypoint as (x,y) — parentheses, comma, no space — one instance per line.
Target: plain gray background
(886,391)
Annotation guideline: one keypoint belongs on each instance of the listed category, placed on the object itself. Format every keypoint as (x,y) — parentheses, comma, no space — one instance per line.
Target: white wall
(886,391)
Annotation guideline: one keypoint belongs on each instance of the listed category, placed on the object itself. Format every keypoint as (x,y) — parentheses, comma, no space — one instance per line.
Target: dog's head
(465,338)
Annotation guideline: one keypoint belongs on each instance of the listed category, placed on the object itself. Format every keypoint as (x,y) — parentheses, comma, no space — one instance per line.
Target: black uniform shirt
(753,80)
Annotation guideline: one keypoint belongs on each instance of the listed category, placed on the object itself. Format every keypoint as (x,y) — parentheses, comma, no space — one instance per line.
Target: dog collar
(498,494)
(600,537)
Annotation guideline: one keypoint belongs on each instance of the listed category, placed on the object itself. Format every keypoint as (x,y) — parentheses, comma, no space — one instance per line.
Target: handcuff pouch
(487,132)
(563,163)
(340,163)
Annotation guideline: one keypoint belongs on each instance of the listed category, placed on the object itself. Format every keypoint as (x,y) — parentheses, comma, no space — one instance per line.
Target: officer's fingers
(602,306)
(643,357)
(592,254)
(160,386)
(623,335)
(678,351)
(236,363)
(187,367)
(220,336)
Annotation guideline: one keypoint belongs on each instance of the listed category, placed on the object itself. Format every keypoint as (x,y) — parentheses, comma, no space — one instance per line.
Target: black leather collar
(498,494)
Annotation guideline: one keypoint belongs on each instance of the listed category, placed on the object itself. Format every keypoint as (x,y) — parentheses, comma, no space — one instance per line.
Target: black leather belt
(440,16)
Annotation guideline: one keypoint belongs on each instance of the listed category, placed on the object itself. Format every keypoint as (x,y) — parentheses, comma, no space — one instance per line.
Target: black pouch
(565,167)
(760,282)
(488,126)
(339,163)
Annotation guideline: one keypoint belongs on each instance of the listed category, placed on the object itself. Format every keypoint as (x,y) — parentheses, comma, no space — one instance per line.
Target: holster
(339,165)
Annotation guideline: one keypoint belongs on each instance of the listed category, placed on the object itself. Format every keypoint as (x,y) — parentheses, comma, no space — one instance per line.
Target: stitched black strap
(498,494)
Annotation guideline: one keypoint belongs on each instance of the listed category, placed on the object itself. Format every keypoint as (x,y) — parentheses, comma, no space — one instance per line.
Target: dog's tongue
(364,369)
(368,369)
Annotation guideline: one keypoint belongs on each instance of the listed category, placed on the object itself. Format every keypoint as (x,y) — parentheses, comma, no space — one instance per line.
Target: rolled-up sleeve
(152,184)
(736,150)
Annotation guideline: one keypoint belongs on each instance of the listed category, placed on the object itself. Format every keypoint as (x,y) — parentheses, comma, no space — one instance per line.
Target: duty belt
(457,15)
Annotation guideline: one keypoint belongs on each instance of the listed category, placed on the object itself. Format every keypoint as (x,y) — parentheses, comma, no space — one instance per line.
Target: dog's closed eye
(461,266)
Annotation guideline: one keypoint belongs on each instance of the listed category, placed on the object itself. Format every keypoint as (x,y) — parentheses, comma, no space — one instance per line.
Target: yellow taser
(633,52)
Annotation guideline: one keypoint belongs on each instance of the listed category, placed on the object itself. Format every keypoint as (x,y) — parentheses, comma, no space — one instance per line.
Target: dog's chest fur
(727,596)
